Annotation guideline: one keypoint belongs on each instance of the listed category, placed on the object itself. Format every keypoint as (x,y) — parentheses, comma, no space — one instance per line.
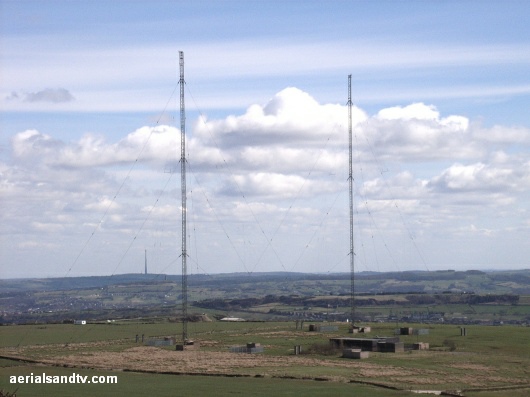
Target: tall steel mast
(350,179)
(183,191)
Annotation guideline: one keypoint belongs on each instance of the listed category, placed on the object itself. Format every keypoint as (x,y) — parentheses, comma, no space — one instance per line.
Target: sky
(90,136)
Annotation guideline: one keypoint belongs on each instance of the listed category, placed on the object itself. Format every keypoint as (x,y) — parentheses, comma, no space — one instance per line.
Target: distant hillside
(72,283)
(264,295)
(471,281)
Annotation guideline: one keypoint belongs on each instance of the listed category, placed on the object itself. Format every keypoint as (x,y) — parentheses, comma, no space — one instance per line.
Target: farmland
(465,297)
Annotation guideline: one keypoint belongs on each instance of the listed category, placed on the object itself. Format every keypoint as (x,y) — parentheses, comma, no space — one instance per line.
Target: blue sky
(89,112)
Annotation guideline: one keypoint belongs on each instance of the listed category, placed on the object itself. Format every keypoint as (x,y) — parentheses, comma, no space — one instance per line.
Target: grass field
(141,384)
(490,358)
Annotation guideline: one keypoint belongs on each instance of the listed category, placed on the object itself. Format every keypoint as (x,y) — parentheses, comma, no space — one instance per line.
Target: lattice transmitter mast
(350,179)
(183,191)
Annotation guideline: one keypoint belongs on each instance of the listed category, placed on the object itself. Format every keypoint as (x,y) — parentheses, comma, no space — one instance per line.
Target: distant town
(450,297)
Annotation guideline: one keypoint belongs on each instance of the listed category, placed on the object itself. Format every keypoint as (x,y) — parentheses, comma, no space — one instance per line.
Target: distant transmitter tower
(145,271)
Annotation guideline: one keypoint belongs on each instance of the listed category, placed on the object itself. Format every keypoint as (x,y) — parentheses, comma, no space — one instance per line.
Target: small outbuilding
(385,344)
(355,354)
(250,348)
(420,346)
(390,347)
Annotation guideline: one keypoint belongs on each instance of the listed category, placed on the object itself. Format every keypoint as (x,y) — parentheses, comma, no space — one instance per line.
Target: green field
(491,358)
(139,384)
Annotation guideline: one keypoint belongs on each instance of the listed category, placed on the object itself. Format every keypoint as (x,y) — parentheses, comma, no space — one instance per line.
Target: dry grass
(144,358)
(466,368)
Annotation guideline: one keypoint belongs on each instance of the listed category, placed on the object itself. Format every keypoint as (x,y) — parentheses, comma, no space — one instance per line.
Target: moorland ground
(488,361)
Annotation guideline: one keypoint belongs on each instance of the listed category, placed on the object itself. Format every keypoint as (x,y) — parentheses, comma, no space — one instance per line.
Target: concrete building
(377,344)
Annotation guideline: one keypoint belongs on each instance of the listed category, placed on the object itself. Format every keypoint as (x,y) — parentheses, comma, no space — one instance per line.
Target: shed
(365,344)
(250,348)
(390,347)
(421,346)
(406,331)
(355,354)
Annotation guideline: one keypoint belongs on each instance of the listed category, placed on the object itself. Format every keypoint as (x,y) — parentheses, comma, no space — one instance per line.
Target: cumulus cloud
(418,111)
(474,177)
(503,135)
(292,139)
(291,116)
(151,144)
(271,185)
(418,133)
(282,163)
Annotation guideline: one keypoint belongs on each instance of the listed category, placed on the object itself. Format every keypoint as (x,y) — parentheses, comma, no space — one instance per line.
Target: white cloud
(290,116)
(271,185)
(503,135)
(479,177)
(102,204)
(145,144)
(418,111)
(48,227)
(418,133)
(280,158)
(277,170)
